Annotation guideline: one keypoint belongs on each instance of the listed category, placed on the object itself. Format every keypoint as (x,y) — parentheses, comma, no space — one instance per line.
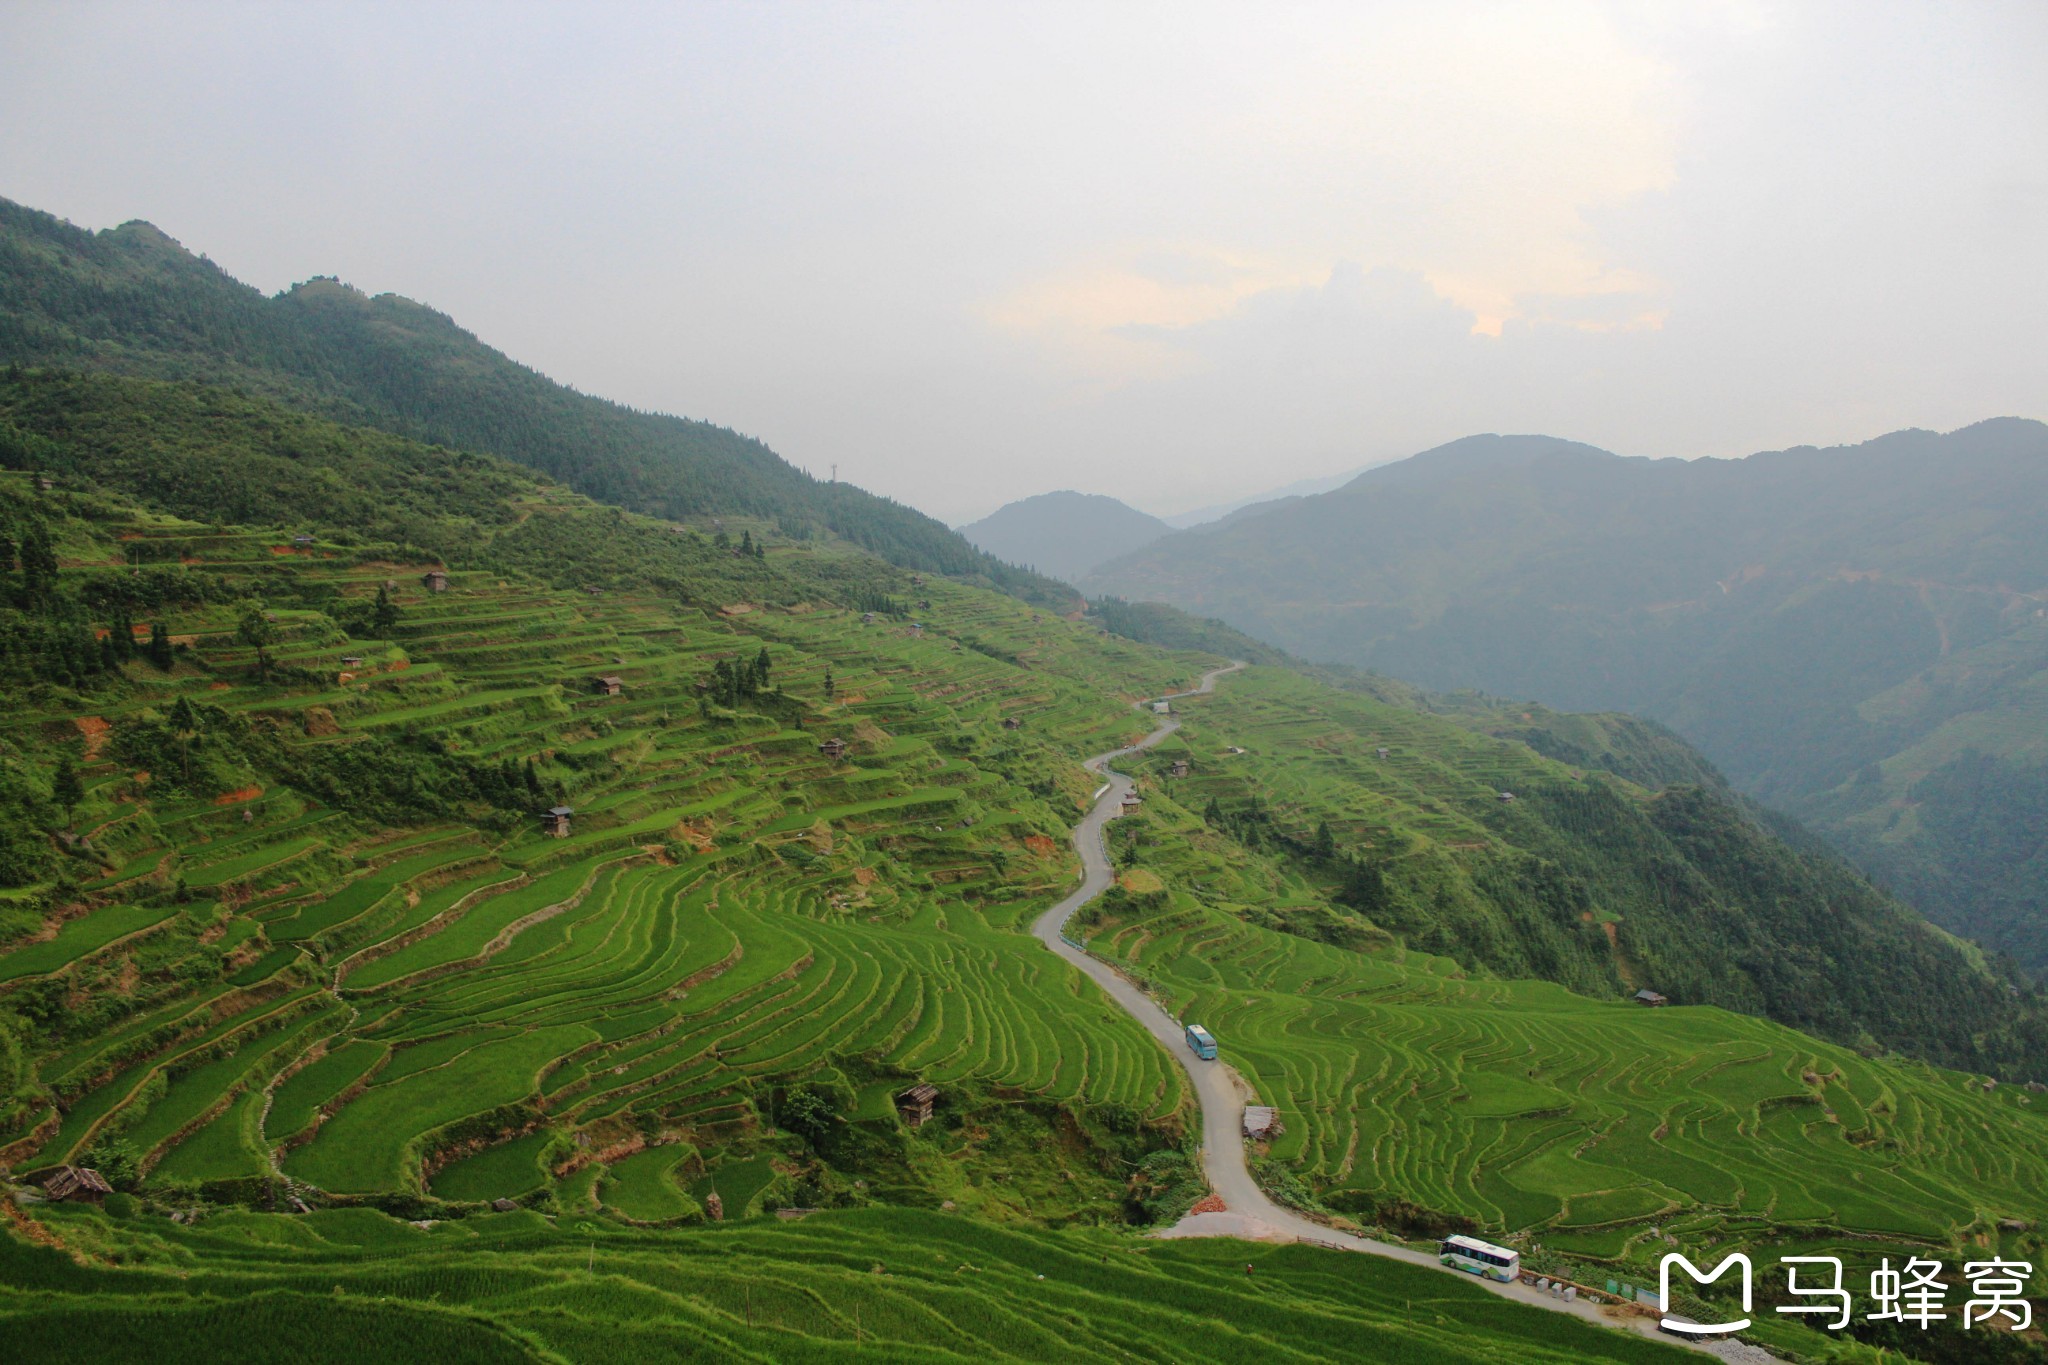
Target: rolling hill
(1064,534)
(1857,635)
(132,300)
(282,929)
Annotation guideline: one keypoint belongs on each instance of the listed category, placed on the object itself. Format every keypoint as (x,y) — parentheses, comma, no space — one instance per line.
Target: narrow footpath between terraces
(1222,1093)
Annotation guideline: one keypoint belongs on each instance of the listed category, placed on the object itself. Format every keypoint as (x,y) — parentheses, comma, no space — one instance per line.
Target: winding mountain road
(1222,1093)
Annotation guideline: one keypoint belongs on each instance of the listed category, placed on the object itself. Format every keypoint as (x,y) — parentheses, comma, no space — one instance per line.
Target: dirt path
(1219,1090)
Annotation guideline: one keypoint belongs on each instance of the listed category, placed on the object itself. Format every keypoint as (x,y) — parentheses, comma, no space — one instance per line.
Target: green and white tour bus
(1475,1257)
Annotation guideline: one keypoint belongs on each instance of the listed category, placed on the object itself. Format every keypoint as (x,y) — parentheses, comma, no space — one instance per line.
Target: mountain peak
(1064,533)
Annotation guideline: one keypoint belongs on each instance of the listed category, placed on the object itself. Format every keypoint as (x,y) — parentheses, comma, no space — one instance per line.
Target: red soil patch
(95,731)
(1041,845)
(235,798)
(1211,1204)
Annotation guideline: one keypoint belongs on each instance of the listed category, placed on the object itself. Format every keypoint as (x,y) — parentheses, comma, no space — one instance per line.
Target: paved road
(1221,1093)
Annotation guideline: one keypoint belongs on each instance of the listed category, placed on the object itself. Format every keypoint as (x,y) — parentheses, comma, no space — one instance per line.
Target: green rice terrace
(380,1062)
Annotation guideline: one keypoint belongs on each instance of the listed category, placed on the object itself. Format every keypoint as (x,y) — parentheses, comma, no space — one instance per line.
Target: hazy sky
(1174,253)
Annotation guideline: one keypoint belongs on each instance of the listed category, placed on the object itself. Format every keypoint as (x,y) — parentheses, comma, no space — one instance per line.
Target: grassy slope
(717,945)
(902,1284)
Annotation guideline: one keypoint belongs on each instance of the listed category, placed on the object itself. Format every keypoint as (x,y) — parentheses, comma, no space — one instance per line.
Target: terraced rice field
(611,1019)
(881,1283)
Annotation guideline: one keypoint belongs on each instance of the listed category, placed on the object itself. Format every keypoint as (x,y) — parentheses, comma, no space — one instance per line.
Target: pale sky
(1174,253)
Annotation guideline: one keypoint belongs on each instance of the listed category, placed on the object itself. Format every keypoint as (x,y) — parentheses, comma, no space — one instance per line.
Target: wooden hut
(610,685)
(1132,800)
(1650,998)
(1012,723)
(555,820)
(834,748)
(435,580)
(1179,768)
(1507,796)
(1381,751)
(302,540)
(915,1104)
(76,1185)
(351,661)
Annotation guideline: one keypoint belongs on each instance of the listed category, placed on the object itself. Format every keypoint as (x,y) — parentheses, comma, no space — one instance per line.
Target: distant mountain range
(1858,635)
(1064,534)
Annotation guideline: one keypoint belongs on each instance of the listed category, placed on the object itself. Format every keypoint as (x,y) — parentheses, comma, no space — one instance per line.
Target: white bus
(1475,1257)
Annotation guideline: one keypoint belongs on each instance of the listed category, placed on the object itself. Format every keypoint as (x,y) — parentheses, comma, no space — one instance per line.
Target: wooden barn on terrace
(915,1104)
(555,820)
(610,685)
(1650,998)
(833,748)
(435,580)
(76,1185)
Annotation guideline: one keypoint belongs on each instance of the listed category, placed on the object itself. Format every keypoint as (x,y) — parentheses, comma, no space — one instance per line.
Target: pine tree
(762,664)
(828,684)
(1326,843)
(160,647)
(259,632)
(384,615)
(38,563)
(65,788)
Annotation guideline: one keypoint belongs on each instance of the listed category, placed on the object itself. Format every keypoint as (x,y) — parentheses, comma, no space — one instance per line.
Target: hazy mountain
(1857,634)
(131,299)
(1064,534)
(1216,512)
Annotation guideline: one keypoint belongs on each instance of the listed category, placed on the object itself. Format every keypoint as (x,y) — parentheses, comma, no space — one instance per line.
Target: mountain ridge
(1832,626)
(135,300)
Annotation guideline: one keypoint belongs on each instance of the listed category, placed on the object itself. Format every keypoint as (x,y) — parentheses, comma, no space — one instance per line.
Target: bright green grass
(644,1186)
(505,1171)
(875,1284)
(363,1148)
(82,937)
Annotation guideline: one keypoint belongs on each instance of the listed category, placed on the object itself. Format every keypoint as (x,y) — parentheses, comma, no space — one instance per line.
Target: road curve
(1218,1089)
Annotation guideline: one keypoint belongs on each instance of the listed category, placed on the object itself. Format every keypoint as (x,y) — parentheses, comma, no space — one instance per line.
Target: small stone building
(555,820)
(504,1205)
(1179,768)
(915,1104)
(435,580)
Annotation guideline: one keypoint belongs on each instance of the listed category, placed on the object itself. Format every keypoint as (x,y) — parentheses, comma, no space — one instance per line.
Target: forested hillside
(282,927)
(1856,635)
(132,300)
